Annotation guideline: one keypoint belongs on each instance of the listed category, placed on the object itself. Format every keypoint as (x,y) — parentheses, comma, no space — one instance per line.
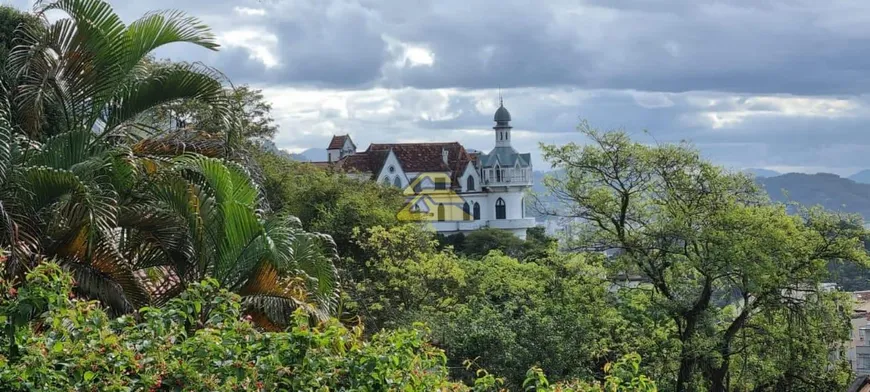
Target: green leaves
(718,255)
(200,341)
(94,67)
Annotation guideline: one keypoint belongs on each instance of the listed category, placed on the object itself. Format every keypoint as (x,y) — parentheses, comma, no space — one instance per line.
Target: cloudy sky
(753,83)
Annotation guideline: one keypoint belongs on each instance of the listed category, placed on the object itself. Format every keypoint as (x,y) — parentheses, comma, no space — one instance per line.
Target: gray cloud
(800,47)
(751,83)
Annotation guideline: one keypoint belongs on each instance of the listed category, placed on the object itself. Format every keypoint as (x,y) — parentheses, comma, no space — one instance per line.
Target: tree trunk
(717,377)
(687,367)
(687,359)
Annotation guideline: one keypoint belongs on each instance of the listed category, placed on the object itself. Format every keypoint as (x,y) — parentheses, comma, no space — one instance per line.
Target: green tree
(703,237)
(500,313)
(254,113)
(131,219)
(480,242)
(89,67)
(404,275)
(329,202)
(12,23)
(198,219)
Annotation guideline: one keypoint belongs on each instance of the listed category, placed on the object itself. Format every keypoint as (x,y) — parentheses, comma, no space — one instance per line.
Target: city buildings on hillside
(455,189)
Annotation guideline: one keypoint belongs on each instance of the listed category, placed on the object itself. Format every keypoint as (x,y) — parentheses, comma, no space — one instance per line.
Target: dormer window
(469,183)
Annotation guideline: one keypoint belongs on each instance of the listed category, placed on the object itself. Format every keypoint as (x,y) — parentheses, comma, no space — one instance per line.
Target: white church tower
(506,177)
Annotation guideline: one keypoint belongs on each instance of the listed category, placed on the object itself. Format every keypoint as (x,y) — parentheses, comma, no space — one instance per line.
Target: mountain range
(850,194)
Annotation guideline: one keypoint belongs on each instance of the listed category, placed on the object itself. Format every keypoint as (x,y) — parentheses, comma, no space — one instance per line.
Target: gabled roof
(427,157)
(337,142)
(505,156)
(364,162)
(413,157)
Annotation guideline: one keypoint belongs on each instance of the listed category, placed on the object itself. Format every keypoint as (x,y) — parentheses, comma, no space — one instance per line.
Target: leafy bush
(200,341)
(72,344)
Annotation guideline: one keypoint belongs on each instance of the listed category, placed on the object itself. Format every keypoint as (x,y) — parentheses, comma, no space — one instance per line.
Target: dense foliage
(118,203)
(328,202)
(723,261)
(147,245)
(200,341)
(502,314)
(479,243)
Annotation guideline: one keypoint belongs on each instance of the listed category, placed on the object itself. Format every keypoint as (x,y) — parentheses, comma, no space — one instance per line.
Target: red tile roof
(364,162)
(414,157)
(420,157)
(337,142)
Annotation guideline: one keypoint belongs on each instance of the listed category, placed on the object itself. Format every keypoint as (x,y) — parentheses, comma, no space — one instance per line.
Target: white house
(491,188)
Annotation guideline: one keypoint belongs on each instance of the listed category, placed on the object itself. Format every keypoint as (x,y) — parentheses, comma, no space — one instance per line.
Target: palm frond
(164,27)
(278,297)
(243,245)
(180,142)
(65,150)
(75,201)
(151,237)
(164,85)
(103,274)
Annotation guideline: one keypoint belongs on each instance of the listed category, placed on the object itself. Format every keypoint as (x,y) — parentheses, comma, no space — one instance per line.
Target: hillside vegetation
(153,238)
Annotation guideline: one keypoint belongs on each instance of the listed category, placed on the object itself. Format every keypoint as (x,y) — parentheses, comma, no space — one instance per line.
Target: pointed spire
(500,100)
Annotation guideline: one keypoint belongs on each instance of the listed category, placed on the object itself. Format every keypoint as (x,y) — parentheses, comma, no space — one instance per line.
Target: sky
(781,85)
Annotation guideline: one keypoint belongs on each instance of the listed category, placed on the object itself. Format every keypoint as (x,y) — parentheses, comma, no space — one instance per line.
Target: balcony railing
(507,176)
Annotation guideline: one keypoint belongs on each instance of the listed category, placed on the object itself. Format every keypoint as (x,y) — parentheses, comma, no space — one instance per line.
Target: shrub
(200,341)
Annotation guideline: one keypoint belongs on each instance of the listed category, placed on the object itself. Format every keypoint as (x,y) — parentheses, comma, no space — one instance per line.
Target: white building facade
(464,190)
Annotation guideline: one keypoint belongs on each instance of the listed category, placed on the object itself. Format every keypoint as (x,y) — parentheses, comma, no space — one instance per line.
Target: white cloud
(250,11)
(409,54)
(740,109)
(261,45)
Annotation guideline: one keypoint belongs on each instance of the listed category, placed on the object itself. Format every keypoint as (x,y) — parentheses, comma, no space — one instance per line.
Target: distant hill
(862,176)
(268,145)
(828,190)
(314,154)
(762,173)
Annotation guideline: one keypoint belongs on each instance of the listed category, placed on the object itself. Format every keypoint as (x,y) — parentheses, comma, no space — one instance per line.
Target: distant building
(459,190)
(858,352)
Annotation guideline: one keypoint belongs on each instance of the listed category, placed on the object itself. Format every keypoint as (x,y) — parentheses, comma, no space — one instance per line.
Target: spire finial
(500,99)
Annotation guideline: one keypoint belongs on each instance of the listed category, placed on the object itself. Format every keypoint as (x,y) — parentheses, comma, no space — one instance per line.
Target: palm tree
(106,199)
(98,71)
(95,71)
(200,219)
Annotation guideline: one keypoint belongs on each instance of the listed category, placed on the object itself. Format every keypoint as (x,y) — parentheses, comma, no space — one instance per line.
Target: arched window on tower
(497,173)
(476,211)
(469,183)
(441,212)
(500,209)
(397,182)
(466,212)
